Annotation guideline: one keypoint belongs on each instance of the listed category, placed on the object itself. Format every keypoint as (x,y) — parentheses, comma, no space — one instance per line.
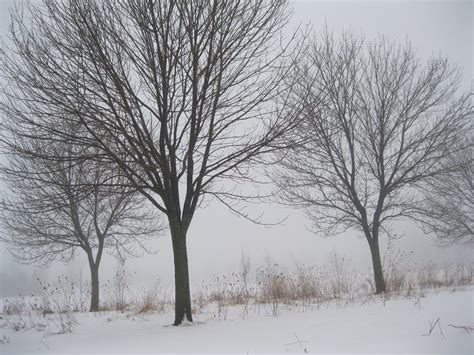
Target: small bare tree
(54,206)
(376,126)
(179,95)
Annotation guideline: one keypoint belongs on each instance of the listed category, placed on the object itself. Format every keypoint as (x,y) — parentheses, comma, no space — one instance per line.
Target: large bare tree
(53,206)
(179,95)
(377,124)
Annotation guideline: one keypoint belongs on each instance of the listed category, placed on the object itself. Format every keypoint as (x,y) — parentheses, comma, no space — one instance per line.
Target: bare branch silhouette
(182,96)
(377,124)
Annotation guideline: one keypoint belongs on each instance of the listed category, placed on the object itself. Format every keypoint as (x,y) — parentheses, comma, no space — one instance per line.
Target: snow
(370,325)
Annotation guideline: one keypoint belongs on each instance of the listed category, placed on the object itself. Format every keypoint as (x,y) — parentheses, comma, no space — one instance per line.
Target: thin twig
(466,328)
(432,326)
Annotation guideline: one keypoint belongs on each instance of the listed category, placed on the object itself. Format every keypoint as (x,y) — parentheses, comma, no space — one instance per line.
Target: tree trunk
(377,264)
(181,275)
(94,288)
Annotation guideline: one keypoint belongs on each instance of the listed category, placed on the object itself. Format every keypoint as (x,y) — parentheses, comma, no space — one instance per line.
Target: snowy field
(417,324)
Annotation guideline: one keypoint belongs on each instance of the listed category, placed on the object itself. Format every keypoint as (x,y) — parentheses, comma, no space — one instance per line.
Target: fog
(217,237)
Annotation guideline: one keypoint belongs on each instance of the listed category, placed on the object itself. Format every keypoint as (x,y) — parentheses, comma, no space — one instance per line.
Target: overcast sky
(217,238)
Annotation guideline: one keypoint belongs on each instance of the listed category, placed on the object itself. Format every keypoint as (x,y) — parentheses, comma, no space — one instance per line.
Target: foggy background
(217,238)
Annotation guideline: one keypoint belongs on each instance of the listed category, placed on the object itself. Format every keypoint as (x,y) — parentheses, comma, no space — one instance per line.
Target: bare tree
(179,95)
(376,125)
(55,206)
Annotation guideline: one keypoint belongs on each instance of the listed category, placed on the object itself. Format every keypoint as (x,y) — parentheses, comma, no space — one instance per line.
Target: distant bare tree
(54,206)
(376,126)
(448,208)
(179,95)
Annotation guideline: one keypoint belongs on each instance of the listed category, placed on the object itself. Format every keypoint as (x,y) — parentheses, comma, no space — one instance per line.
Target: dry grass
(269,288)
(274,286)
(152,301)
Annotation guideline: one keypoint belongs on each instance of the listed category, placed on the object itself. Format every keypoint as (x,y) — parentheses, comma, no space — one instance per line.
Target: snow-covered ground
(369,326)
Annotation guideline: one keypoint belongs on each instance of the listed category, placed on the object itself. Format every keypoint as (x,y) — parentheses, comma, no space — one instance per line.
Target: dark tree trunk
(181,275)
(94,288)
(377,264)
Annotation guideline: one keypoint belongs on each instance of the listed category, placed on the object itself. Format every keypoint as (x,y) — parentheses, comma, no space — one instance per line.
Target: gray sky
(217,238)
